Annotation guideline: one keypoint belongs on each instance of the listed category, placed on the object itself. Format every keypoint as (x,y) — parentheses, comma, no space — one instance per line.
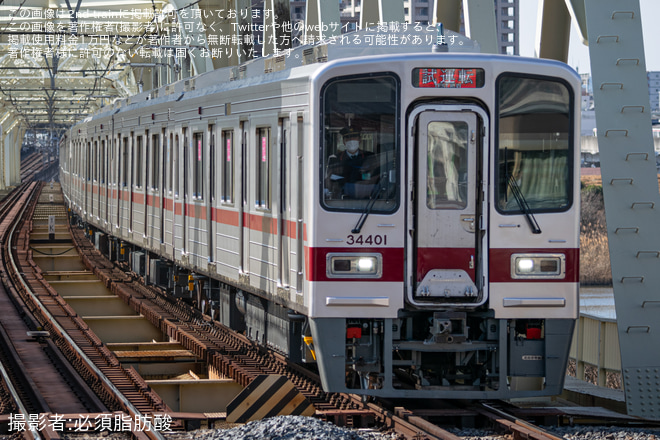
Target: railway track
(51,356)
(35,166)
(229,353)
(42,377)
(236,357)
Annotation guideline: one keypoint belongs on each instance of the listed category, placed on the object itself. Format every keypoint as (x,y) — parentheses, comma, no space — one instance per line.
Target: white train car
(440,259)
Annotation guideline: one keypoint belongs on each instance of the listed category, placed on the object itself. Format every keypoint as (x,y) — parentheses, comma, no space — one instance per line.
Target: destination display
(448,78)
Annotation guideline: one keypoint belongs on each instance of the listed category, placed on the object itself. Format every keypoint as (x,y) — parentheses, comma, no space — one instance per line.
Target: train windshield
(360,143)
(535,145)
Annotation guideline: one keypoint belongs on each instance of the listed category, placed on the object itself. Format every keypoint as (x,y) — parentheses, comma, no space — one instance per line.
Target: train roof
(301,62)
(405,38)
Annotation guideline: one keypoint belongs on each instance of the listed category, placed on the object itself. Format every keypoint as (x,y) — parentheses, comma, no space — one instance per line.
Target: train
(401,218)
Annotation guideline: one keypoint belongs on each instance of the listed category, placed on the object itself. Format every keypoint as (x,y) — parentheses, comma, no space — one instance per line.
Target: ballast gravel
(283,428)
(571,433)
(308,428)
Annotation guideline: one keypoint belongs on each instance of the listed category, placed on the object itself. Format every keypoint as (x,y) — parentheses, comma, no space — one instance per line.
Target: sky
(578,53)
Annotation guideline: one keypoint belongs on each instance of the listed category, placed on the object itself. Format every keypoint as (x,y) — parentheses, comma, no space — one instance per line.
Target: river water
(597,301)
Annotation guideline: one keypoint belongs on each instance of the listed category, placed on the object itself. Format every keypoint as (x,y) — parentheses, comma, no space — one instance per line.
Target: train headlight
(538,266)
(524,265)
(366,264)
(353,265)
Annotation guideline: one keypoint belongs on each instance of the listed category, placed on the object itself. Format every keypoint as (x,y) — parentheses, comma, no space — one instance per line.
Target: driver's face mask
(352,146)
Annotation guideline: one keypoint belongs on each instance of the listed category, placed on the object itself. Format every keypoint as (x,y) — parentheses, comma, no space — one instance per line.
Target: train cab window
(227,166)
(535,145)
(360,143)
(198,163)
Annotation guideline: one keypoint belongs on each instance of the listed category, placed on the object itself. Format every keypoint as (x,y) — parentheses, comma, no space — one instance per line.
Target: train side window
(212,165)
(228,166)
(100,161)
(263,168)
(115,165)
(124,162)
(104,160)
(177,165)
(535,144)
(185,184)
(155,162)
(198,162)
(88,172)
(137,161)
(95,162)
(170,160)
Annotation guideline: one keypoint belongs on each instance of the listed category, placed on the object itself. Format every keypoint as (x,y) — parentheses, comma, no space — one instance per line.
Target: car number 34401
(369,240)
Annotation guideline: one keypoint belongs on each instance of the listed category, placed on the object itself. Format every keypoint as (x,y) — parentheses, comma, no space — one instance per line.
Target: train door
(210,195)
(243,244)
(96,182)
(122,157)
(113,179)
(298,190)
(124,186)
(136,146)
(106,180)
(94,162)
(100,205)
(177,196)
(171,192)
(283,212)
(185,198)
(87,182)
(149,154)
(448,241)
(165,149)
(154,186)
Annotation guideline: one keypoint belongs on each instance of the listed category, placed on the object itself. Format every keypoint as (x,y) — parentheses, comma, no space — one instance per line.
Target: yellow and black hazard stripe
(268,396)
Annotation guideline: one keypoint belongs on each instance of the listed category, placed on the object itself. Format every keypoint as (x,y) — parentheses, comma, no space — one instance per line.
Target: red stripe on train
(153,201)
(218,215)
(500,265)
(445,258)
(225,217)
(393,263)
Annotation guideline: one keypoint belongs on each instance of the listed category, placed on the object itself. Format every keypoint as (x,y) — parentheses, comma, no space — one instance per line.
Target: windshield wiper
(524,206)
(518,195)
(370,204)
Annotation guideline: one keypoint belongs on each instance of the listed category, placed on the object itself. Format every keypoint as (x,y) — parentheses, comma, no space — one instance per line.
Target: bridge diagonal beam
(630,189)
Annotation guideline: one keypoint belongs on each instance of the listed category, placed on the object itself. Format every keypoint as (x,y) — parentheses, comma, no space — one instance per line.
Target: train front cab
(482,197)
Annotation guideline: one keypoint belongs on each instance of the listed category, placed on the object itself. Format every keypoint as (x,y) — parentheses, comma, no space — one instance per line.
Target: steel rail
(519,427)
(21,406)
(151,433)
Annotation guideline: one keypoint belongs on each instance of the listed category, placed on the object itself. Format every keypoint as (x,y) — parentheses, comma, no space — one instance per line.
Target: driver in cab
(354,168)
